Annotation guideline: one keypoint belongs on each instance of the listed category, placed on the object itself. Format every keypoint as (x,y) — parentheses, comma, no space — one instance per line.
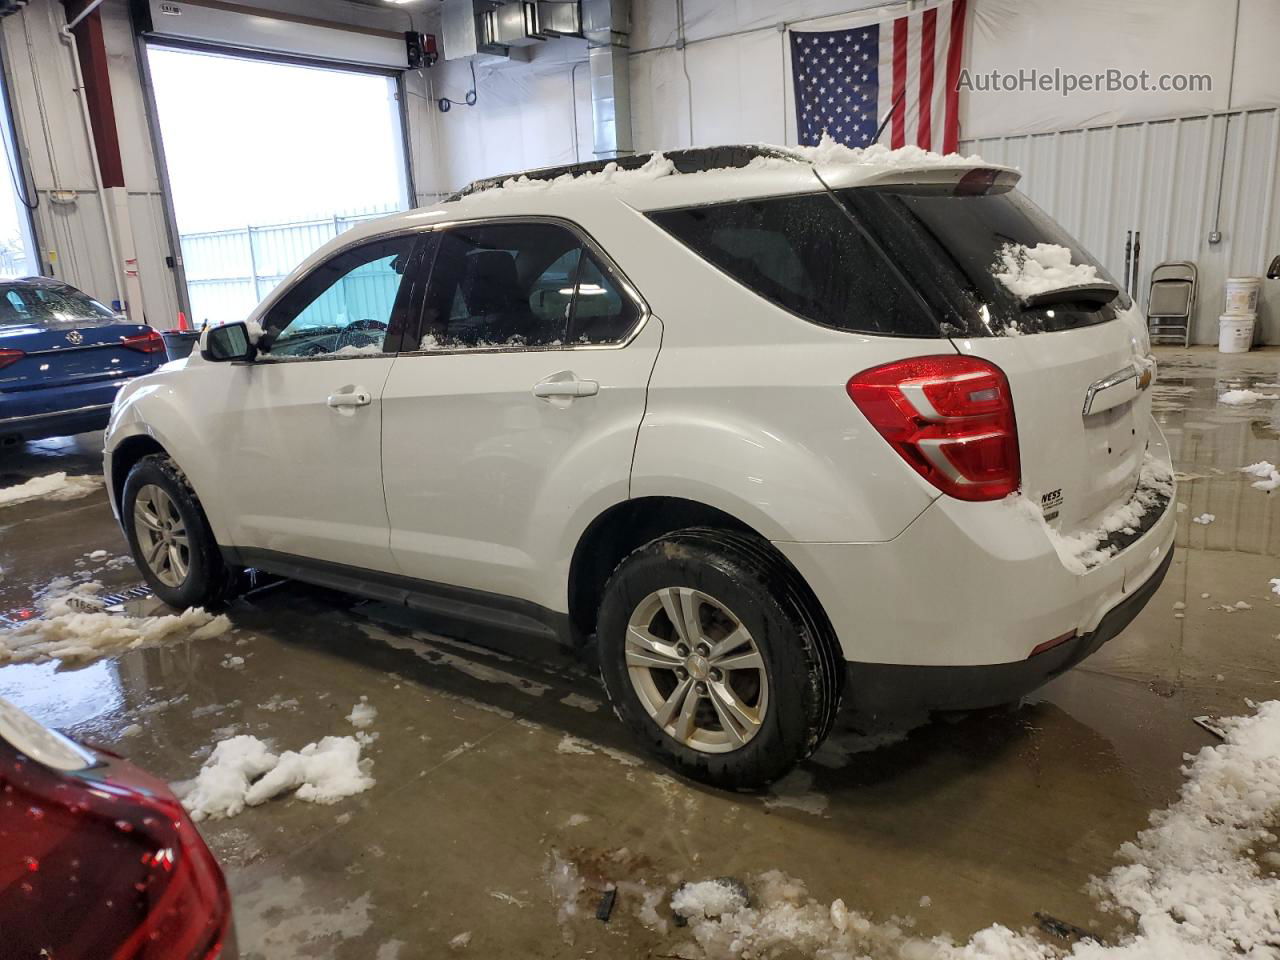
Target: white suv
(743,418)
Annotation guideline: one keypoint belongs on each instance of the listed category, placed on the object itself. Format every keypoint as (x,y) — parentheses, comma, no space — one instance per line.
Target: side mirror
(1273,271)
(227,342)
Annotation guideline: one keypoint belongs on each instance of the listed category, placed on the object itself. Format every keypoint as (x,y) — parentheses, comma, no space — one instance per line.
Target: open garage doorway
(266,161)
(18,256)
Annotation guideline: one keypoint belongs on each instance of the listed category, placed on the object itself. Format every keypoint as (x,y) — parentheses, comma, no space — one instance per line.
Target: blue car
(63,357)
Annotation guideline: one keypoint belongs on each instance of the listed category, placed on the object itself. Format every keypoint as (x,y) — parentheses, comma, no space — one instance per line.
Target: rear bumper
(880,688)
(63,423)
(968,592)
(57,411)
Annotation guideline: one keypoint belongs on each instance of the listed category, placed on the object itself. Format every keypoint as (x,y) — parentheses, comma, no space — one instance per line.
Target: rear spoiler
(966,179)
(1096,293)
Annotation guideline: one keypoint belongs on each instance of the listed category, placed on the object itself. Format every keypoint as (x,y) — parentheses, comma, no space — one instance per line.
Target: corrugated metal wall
(1162,178)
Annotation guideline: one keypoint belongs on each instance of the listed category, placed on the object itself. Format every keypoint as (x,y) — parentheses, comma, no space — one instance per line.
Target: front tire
(712,652)
(170,537)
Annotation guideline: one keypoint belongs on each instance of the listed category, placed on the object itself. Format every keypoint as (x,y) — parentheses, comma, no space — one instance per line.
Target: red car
(98,859)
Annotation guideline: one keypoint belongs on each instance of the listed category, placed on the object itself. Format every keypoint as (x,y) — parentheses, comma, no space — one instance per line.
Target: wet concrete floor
(489,765)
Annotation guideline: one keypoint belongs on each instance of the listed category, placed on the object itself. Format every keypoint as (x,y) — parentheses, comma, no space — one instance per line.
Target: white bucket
(1235,333)
(1242,296)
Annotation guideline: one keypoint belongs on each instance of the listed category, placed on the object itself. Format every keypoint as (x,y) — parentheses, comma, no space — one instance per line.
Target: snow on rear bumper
(973,584)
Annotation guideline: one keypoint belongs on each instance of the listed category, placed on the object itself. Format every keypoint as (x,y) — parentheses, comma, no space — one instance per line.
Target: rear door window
(500,285)
(806,254)
(517,285)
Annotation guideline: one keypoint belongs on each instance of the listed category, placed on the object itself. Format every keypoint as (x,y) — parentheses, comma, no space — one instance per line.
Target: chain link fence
(230,271)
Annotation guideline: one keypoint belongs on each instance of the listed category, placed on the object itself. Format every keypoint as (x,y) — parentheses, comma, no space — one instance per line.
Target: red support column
(97,91)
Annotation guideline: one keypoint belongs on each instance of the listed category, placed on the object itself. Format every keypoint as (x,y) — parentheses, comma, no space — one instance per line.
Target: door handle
(566,388)
(357,398)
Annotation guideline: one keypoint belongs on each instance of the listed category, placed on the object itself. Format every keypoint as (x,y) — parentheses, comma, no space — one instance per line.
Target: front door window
(346,307)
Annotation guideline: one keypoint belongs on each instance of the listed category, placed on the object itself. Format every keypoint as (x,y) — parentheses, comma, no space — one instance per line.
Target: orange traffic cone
(182,321)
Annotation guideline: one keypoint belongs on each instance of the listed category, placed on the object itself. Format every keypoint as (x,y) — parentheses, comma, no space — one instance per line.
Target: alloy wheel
(696,669)
(162,535)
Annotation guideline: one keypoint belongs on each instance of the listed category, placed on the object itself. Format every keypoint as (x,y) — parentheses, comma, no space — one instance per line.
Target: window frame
(607,264)
(409,295)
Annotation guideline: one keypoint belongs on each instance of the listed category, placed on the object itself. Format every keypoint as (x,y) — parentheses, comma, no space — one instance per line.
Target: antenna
(885,122)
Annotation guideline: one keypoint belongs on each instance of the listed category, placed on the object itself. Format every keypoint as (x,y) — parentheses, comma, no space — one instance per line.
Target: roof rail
(688,160)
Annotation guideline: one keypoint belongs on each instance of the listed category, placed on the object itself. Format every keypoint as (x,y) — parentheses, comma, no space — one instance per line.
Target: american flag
(847,81)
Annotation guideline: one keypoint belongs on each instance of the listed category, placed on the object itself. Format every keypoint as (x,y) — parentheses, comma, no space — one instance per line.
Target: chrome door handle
(357,398)
(566,388)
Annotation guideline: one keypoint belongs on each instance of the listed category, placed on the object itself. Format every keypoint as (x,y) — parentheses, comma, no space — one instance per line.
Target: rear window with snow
(954,248)
(805,254)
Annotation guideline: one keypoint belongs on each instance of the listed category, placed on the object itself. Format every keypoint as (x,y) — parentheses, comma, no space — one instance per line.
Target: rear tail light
(103,862)
(8,357)
(950,418)
(149,342)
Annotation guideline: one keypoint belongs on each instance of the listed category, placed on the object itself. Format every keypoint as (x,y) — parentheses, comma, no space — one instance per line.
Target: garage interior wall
(1161,178)
(1101,164)
(707,71)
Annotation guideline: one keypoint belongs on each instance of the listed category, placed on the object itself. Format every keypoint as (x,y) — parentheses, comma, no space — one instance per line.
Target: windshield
(950,246)
(47,307)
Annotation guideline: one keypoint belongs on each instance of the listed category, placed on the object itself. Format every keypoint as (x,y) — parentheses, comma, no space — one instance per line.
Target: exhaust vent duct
(607,27)
(465,29)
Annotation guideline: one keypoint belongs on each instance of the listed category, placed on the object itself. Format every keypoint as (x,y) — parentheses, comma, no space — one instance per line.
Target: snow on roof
(829,151)
(825,156)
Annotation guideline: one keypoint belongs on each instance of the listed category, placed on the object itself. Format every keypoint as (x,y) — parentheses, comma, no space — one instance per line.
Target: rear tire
(746,686)
(170,537)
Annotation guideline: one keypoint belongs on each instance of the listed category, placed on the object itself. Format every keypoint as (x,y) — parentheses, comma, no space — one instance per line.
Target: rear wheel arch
(619,530)
(625,527)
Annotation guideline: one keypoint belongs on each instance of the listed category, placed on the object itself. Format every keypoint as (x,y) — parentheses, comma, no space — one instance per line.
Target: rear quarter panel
(747,410)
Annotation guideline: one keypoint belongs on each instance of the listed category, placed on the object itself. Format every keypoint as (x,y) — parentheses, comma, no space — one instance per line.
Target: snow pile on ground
(780,918)
(362,714)
(708,899)
(566,885)
(223,782)
(1084,549)
(1270,476)
(323,772)
(54,486)
(74,628)
(1192,883)
(1026,271)
(1204,519)
(243,771)
(1237,398)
